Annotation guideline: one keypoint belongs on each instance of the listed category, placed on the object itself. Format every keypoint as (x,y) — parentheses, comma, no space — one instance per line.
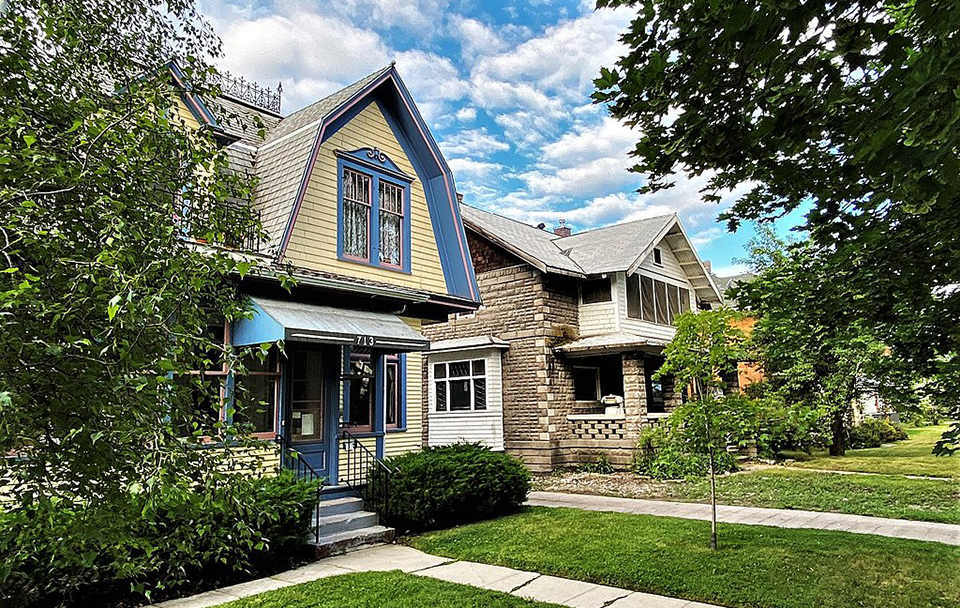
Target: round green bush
(440,487)
(872,433)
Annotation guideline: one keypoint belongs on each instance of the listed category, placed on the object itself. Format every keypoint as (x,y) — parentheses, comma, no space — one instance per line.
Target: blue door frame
(321,454)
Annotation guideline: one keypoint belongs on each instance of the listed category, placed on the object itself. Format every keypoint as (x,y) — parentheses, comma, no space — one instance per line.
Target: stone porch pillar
(634,393)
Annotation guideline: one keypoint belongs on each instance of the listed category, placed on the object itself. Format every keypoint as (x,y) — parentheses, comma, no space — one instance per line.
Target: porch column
(634,393)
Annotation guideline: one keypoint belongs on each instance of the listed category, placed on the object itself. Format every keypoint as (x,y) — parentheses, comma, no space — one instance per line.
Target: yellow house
(361,208)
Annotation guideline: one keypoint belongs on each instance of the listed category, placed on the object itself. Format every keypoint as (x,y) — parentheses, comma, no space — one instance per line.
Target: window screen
(647,299)
(633,296)
(660,290)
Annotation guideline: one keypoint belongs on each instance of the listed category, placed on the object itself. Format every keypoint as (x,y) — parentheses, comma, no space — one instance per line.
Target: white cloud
(473,143)
(469,169)
(466,114)
(730,270)
(706,236)
(312,54)
(420,17)
(476,38)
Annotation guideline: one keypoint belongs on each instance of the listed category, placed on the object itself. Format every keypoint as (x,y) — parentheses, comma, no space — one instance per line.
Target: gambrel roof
(617,248)
(284,159)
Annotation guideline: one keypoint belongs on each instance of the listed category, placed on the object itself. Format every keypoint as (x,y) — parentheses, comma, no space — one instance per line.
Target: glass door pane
(306,392)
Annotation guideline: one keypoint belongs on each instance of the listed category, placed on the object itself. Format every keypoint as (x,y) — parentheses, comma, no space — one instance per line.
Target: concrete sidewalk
(781,518)
(530,585)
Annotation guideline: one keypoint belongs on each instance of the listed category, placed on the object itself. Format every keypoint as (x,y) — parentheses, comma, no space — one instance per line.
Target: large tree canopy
(851,107)
(102,301)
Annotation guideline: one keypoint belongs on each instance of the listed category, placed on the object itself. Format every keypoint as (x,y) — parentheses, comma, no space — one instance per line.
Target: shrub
(660,457)
(872,433)
(444,486)
(177,540)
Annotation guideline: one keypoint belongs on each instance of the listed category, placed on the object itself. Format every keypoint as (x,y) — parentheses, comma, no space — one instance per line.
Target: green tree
(705,349)
(103,303)
(816,352)
(850,107)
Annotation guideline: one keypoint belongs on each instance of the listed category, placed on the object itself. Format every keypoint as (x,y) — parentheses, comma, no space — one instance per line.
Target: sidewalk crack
(449,561)
(522,585)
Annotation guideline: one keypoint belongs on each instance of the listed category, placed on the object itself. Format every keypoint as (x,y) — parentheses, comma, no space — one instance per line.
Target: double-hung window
(391,224)
(374,223)
(460,386)
(356,215)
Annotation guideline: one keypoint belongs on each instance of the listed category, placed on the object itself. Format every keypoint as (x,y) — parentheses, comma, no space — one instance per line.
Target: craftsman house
(557,365)
(360,207)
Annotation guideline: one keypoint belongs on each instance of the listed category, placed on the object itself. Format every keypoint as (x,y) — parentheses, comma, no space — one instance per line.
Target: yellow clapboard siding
(313,243)
(183,113)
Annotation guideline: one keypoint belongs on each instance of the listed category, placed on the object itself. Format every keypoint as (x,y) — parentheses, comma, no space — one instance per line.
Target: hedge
(440,487)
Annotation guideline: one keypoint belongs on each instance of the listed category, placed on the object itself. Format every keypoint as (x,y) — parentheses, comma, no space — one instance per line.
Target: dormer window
(374,210)
(657,256)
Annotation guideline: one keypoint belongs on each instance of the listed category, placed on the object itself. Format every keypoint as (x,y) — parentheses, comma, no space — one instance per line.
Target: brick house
(556,366)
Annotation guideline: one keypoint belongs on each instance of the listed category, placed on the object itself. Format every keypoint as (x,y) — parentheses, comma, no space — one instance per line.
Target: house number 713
(365,341)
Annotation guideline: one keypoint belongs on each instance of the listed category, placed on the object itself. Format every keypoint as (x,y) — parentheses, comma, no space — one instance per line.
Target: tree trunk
(713,504)
(838,427)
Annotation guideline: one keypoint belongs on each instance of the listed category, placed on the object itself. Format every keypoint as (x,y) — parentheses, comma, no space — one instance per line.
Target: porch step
(338,506)
(337,491)
(346,522)
(341,542)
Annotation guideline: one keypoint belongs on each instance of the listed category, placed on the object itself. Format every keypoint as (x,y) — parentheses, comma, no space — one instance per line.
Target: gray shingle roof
(725,283)
(610,249)
(239,119)
(614,248)
(531,244)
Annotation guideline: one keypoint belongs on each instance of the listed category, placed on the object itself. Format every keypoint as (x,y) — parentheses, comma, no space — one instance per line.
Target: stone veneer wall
(534,312)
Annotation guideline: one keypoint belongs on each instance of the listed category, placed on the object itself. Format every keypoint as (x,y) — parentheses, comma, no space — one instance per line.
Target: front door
(309,429)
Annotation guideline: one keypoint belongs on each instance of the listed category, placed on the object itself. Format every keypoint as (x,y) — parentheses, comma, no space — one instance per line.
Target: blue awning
(298,322)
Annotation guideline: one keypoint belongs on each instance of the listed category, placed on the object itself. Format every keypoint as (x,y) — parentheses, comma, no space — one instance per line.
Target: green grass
(756,566)
(379,589)
(910,457)
(879,496)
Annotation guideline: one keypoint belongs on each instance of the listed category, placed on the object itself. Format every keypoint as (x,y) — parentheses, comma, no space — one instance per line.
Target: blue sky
(505,87)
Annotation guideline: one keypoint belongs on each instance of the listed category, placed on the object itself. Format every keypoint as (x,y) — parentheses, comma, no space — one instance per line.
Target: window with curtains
(356,215)
(374,210)
(655,301)
(391,224)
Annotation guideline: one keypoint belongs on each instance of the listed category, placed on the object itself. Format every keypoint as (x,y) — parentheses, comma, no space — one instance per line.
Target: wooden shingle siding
(314,240)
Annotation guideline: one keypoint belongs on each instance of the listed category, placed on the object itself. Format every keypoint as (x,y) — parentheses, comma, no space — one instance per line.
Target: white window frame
(472,377)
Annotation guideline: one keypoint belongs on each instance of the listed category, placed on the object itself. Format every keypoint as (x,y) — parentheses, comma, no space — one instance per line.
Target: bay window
(460,386)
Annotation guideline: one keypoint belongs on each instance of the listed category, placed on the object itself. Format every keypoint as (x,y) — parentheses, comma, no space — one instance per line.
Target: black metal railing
(248,91)
(238,225)
(363,472)
(292,460)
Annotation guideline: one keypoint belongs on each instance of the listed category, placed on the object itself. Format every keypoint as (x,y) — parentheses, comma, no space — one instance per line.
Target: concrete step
(341,542)
(337,491)
(338,506)
(346,522)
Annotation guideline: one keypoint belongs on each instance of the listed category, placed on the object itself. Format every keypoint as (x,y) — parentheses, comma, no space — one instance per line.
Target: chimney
(541,226)
(562,229)
(459,197)
(708,265)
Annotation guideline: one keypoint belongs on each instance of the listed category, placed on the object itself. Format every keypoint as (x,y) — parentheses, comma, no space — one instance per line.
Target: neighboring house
(557,365)
(748,372)
(360,207)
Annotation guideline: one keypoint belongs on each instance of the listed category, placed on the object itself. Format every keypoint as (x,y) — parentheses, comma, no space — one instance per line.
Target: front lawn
(379,589)
(910,457)
(879,496)
(784,488)
(756,566)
